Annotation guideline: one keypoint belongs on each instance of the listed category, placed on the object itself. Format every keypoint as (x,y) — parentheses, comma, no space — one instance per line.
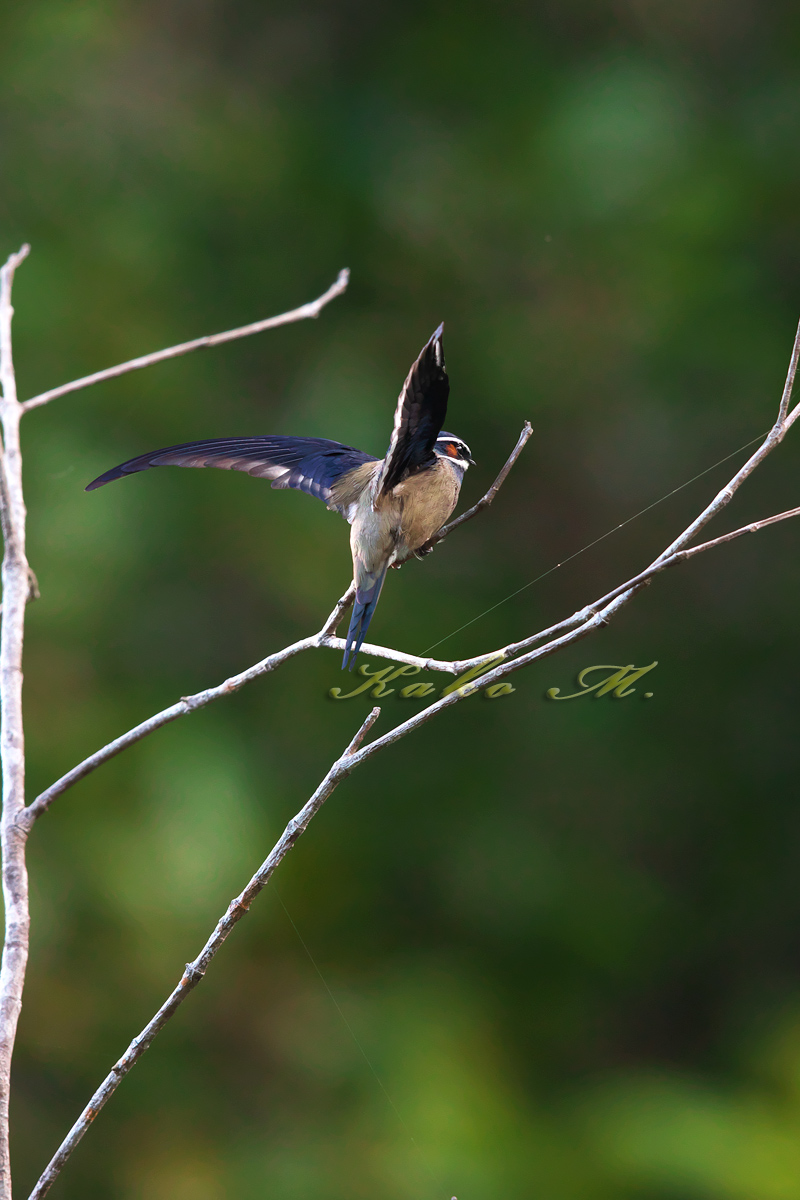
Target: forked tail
(367,593)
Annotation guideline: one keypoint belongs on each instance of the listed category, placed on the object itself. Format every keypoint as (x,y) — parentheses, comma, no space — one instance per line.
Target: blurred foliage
(558,943)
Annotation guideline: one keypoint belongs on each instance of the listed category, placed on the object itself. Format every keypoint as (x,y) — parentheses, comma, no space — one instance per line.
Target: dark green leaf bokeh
(564,936)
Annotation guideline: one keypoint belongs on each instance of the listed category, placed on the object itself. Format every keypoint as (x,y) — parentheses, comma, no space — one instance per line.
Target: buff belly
(389,529)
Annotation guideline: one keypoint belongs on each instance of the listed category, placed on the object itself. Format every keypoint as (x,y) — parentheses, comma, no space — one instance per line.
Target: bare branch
(578,626)
(496,675)
(773,438)
(398,656)
(188,704)
(185,705)
(7,272)
(196,970)
(583,618)
(351,759)
(359,737)
(644,577)
(776,435)
(486,500)
(333,621)
(19,586)
(587,618)
(16,590)
(324,639)
(753,527)
(786,397)
(679,556)
(305,311)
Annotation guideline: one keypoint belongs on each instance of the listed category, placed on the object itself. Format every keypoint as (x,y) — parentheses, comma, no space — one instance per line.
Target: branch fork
(19,586)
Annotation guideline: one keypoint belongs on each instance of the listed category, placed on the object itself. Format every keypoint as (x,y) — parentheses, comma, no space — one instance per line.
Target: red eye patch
(451,450)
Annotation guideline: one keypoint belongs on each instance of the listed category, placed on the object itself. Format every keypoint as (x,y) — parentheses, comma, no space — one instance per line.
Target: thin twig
(578,626)
(305,311)
(485,500)
(325,639)
(788,386)
(662,564)
(188,704)
(583,614)
(773,438)
(195,970)
(334,620)
(16,591)
(185,705)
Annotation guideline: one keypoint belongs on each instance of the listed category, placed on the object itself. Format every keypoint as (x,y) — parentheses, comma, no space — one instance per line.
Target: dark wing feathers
(311,465)
(420,414)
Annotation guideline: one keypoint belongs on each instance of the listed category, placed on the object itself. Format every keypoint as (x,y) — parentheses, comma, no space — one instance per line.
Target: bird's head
(454,448)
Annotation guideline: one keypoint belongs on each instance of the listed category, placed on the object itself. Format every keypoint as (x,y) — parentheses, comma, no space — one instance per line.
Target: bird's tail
(368,589)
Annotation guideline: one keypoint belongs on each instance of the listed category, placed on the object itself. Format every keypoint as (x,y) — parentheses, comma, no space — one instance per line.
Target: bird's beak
(471,461)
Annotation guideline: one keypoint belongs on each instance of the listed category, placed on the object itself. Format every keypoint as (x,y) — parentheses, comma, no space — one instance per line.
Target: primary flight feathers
(310,464)
(419,416)
(394,505)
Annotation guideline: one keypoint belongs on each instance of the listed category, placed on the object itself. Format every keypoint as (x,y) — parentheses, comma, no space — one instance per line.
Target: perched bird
(393,504)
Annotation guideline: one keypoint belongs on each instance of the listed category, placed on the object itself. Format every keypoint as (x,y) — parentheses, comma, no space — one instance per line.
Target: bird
(393,505)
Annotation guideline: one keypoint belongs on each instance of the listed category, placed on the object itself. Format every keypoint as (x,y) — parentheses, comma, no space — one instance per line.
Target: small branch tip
(582,623)
(362,733)
(17,256)
(307,311)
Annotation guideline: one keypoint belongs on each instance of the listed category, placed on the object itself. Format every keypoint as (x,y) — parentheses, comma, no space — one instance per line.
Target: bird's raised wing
(311,465)
(419,416)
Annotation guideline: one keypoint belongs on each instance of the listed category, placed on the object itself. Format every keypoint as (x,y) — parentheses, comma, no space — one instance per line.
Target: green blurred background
(564,937)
